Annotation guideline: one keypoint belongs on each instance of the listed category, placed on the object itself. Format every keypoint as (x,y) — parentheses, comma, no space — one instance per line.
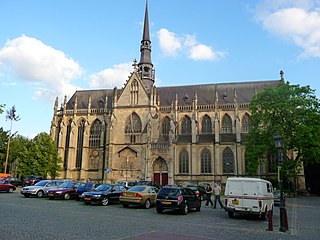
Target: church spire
(145,65)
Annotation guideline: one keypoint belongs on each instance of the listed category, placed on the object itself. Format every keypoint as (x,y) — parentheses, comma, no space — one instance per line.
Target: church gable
(133,93)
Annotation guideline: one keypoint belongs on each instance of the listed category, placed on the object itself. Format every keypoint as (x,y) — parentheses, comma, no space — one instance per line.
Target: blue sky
(51,48)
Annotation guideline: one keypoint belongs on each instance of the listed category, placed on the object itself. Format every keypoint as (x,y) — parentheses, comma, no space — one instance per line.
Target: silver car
(40,189)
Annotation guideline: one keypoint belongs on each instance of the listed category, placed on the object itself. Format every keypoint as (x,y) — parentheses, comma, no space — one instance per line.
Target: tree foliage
(3,147)
(291,111)
(35,157)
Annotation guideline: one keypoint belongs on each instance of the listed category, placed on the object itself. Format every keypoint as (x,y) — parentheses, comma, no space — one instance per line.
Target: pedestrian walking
(217,192)
(209,193)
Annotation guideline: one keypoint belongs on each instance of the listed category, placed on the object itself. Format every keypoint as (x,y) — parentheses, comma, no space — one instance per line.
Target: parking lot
(34,218)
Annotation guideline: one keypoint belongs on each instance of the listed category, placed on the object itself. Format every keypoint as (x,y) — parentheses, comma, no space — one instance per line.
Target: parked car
(200,191)
(7,187)
(149,183)
(103,194)
(85,187)
(14,181)
(32,180)
(181,199)
(67,190)
(40,189)
(139,195)
(276,198)
(127,184)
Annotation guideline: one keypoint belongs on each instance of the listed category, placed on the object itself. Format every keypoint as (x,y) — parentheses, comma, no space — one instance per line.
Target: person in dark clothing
(209,193)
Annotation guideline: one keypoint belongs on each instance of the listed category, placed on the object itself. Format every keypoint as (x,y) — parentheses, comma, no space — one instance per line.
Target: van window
(269,188)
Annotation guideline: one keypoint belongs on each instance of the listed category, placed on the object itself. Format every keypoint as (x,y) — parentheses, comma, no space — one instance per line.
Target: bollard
(270,225)
(286,219)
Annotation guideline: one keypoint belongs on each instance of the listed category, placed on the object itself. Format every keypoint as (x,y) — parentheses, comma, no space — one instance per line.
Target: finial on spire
(281,75)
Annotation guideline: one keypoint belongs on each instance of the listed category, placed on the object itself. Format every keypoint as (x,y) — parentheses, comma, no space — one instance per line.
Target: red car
(66,190)
(7,187)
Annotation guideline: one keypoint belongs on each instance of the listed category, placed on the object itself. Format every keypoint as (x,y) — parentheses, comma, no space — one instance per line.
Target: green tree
(3,147)
(291,111)
(46,159)
(1,108)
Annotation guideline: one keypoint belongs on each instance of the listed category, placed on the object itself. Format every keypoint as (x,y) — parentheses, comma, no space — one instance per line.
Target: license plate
(130,195)
(235,202)
(87,199)
(166,203)
(50,195)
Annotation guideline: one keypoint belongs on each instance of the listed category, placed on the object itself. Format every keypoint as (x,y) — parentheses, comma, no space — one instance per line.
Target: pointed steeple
(145,65)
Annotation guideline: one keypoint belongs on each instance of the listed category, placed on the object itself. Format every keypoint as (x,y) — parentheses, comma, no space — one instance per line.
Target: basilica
(172,135)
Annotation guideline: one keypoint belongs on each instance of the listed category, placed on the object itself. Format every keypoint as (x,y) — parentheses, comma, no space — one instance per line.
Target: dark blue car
(85,187)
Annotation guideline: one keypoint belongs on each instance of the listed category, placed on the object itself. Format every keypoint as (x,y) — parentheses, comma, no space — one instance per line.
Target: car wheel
(66,196)
(185,209)
(159,210)
(264,215)
(147,204)
(105,201)
(10,190)
(26,195)
(40,194)
(125,205)
(230,214)
(87,203)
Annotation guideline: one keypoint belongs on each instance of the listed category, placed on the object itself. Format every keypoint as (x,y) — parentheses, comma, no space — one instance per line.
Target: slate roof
(206,94)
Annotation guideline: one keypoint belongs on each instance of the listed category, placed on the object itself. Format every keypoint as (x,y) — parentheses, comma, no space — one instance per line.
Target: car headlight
(97,196)
(59,192)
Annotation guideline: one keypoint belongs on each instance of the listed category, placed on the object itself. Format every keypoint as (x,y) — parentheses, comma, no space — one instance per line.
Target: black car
(85,187)
(181,199)
(14,181)
(200,191)
(103,194)
(149,183)
(32,180)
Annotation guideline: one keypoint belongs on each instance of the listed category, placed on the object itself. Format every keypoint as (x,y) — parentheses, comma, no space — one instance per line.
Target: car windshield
(103,188)
(170,191)
(66,185)
(137,189)
(41,183)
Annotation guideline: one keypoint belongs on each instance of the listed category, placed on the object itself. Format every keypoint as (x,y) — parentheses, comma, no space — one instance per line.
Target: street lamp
(278,141)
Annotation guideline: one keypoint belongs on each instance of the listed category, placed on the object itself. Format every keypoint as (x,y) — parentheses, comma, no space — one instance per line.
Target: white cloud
(168,41)
(32,61)
(296,21)
(171,45)
(111,77)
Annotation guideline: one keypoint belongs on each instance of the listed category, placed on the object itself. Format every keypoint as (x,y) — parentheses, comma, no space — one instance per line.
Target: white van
(248,196)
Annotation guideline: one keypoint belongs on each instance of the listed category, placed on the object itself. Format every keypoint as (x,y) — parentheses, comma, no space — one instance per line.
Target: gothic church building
(173,135)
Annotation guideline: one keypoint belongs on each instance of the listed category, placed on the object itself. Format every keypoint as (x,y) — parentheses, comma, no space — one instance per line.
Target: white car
(40,189)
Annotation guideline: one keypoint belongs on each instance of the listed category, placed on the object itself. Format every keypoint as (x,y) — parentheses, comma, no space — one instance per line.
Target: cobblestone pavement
(33,218)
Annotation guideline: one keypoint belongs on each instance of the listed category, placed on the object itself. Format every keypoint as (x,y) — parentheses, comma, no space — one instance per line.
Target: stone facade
(174,135)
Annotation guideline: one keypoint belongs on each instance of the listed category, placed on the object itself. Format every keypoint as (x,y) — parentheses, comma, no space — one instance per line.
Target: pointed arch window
(205,161)
(95,134)
(133,127)
(81,128)
(184,161)
(226,124)
(67,145)
(228,161)
(58,130)
(165,126)
(186,125)
(206,125)
(246,123)
(134,92)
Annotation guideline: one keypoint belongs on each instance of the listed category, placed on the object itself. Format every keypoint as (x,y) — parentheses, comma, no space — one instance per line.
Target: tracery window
(95,134)
(205,161)
(184,161)
(226,124)
(206,124)
(133,127)
(186,125)
(58,130)
(134,92)
(228,161)
(246,123)
(67,145)
(165,126)
(81,128)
